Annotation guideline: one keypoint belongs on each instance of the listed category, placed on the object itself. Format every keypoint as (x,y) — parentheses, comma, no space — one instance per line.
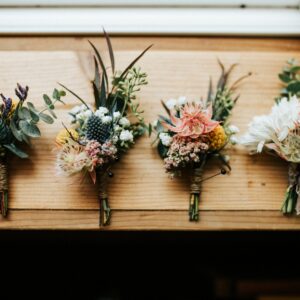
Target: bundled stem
(3,183)
(291,196)
(105,212)
(195,193)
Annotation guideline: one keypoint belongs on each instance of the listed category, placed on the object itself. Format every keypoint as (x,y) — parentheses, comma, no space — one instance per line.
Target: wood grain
(141,194)
(123,220)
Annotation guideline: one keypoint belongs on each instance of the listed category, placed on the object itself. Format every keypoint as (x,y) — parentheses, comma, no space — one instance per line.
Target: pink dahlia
(193,122)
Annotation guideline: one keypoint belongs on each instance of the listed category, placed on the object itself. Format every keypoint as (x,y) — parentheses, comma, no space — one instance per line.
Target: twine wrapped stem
(292,193)
(3,183)
(105,213)
(195,191)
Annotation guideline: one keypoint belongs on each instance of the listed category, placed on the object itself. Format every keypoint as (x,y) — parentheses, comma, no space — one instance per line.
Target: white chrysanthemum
(234,140)
(273,128)
(126,136)
(117,115)
(233,129)
(124,122)
(181,100)
(106,119)
(165,138)
(171,103)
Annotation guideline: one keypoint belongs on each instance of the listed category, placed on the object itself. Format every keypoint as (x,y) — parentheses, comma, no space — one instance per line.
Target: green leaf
(150,129)
(110,49)
(162,150)
(284,77)
(51,112)
(97,85)
(15,131)
(24,113)
(46,118)
(101,62)
(133,63)
(29,129)
(48,101)
(295,69)
(56,94)
(294,87)
(34,117)
(32,107)
(16,151)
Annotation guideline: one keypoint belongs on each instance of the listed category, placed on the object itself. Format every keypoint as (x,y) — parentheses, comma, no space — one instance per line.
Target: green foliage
(21,124)
(290,77)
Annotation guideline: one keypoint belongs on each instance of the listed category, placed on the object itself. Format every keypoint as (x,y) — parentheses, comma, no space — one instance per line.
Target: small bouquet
(18,123)
(194,132)
(278,133)
(98,136)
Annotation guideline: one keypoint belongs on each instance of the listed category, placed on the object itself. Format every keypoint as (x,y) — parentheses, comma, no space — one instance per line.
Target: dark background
(147,265)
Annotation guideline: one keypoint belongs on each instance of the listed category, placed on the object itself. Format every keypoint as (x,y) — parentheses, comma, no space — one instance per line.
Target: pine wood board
(140,183)
(123,220)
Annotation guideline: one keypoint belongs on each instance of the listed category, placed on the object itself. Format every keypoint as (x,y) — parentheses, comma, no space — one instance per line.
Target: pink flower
(194,121)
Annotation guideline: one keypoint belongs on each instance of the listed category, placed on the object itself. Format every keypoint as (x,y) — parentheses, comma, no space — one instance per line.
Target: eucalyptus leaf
(51,112)
(16,151)
(24,113)
(34,116)
(15,131)
(32,107)
(48,101)
(46,118)
(56,94)
(295,69)
(29,129)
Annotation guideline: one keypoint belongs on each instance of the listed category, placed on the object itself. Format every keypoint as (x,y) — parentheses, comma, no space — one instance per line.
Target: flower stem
(194,207)
(105,212)
(3,185)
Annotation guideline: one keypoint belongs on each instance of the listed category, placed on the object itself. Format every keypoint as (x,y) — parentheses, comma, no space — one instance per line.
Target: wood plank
(140,181)
(183,43)
(148,220)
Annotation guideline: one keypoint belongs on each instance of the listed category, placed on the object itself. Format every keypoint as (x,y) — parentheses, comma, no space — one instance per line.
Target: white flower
(75,110)
(117,128)
(101,111)
(233,140)
(126,135)
(117,115)
(181,100)
(115,139)
(106,119)
(165,138)
(233,129)
(272,130)
(124,122)
(88,113)
(171,103)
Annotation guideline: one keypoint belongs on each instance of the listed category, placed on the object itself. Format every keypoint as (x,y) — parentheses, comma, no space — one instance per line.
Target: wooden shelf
(141,194)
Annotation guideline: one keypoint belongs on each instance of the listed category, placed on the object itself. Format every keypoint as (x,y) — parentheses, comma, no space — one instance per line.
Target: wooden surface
(141,194)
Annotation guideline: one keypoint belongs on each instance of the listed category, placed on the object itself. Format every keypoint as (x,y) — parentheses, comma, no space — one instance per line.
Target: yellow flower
(217,138)
(64,135)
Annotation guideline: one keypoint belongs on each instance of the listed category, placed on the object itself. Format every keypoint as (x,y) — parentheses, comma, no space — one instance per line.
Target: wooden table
(142,196)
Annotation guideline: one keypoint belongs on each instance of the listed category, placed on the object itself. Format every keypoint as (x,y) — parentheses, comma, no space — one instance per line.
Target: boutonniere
(192,132)
(278,133)
(19,122)
(99,135)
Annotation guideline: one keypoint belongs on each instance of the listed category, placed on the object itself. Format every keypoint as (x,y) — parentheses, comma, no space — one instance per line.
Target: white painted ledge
(202,21)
